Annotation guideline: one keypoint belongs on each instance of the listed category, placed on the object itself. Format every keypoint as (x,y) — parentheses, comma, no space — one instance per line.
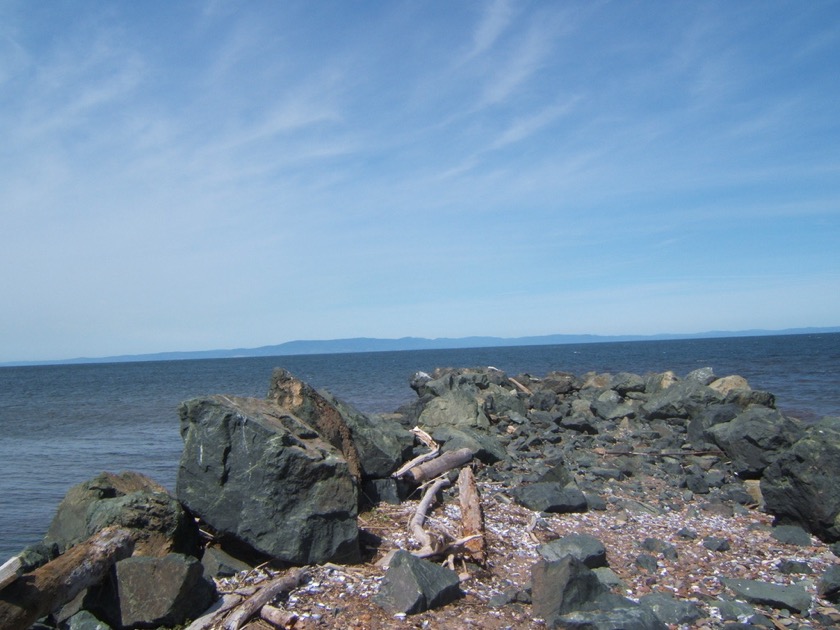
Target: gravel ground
(340,596)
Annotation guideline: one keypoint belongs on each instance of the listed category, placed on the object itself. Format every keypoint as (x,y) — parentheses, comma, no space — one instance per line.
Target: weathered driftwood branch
(265,595)
(428,441)
(49,587)
(425,438)
(214,614)
(277,617)
(520,386)
(10,571)
(439,465)
(472,518)
(431,545)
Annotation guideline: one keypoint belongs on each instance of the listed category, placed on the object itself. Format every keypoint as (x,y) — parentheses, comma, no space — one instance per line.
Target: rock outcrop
(800,485)
(129,500)
(261,476)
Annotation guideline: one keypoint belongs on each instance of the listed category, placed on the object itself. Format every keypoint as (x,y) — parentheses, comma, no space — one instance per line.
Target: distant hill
(369,344)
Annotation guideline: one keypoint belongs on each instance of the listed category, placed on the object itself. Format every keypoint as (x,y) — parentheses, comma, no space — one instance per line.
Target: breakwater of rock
(290,480)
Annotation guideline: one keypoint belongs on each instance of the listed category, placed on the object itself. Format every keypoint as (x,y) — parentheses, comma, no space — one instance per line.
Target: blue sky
(186,176)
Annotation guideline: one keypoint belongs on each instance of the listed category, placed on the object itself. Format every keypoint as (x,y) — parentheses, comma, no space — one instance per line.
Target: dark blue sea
(63,424)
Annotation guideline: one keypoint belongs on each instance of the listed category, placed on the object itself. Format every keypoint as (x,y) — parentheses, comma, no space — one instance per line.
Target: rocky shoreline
(605,500)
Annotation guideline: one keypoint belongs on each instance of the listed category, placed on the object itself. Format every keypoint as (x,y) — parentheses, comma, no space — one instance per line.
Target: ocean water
(60,425)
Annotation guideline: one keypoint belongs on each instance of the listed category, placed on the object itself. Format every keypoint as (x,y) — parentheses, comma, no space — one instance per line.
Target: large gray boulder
(259,475)
(800,486)
(129,500)
(754,438)
(372,449)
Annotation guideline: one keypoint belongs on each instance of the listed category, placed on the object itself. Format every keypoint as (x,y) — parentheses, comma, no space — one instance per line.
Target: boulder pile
(286,481)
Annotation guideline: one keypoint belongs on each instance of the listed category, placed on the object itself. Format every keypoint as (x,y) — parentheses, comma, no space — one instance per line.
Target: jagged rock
(562,586)
(791,535)
(585,548)
(656,545)
(704,376)
(412,585)
(153,592)
(732,610)
(85,620)
(579,423)
(626,382)
(482,445)
(670,610)
(646,562)
(630,617)
(729,383)
(558,473)
(37,555)
(681,400)
(455,408)
(800,486)
(609,578)
(550,497)
(754,438)
(129,500)
(829,585)
(218,563)
(610,406)
(713,543)
(656,383)
(372,449)
(698,427)
(794,567)
(381,491)
(560,383)
(499,401)
(747,397)
(259,475)
(794,598)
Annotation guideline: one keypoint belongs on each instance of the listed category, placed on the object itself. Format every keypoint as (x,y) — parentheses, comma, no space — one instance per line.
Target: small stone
(713,543)
(647,562)
(791,535)
(688,534)
(789,567)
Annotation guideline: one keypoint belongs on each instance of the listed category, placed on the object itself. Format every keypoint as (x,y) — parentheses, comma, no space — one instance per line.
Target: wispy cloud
(515,68)
(493,23)
(524,127)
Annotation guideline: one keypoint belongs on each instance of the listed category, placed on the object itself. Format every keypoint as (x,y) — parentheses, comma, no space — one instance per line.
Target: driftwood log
(434,449)
(432,545)
(472,518)
(439,465)
(34,595)
(251,606)
(10,571)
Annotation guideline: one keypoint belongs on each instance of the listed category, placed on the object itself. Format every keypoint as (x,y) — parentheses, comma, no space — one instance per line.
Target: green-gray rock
(258,474)
(413,585)
(129,500)
(793,598)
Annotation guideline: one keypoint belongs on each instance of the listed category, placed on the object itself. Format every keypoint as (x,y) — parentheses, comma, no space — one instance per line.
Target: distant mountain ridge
(371,344)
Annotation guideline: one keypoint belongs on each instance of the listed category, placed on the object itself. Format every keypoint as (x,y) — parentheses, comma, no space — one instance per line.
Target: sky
(181,176)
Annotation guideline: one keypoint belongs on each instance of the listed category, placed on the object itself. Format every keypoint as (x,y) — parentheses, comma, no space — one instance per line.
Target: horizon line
(351,345)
